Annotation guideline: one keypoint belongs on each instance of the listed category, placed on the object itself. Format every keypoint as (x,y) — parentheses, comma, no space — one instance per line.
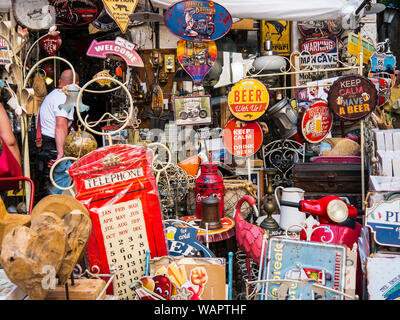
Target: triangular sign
(120,10)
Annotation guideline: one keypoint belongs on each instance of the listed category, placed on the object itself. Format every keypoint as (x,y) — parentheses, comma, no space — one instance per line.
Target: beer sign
(242,139)
(352,97)
(315,122)
(248,100)
(384,221)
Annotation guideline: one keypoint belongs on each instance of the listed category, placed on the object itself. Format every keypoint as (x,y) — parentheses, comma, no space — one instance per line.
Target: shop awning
(293,10)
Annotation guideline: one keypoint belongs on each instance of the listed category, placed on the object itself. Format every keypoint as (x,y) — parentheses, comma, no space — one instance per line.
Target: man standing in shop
(53,126)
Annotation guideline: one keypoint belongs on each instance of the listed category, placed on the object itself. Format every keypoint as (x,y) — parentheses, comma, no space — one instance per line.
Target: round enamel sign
(352,97)
(248,99)
(315,122)
(242,139)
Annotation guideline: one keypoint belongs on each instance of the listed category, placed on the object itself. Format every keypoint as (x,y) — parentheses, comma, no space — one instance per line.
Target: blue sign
(382,62)
(384,221)
(181,240)
(307,263)
(198,21)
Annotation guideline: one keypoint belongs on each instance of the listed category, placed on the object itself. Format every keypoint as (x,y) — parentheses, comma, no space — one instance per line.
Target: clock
(34,14)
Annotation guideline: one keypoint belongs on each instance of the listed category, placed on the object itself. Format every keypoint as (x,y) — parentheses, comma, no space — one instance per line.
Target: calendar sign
(117,186)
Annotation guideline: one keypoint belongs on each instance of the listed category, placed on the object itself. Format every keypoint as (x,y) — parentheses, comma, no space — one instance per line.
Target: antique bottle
(209,183)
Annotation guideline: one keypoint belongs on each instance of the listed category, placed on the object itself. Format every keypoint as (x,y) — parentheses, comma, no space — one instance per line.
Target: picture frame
(169,65)
(192,110)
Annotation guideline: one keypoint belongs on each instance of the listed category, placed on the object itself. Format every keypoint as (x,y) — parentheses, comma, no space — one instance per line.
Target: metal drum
(284,117)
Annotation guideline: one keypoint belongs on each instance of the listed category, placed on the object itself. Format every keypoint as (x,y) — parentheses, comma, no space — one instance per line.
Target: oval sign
(352,97)
(76,13)
(196,58)
(315,122)
(198,21)
(248,99)
(242,139)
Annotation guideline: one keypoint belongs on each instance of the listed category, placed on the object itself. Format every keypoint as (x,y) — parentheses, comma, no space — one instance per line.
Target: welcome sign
(384,221)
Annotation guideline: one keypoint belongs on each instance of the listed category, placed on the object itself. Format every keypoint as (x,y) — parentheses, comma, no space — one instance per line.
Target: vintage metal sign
(279,34)
(248,99)
(5,52)
(384,221)
(319,53)
(306,261)
(76,13)
(50,44)
(352,97)
(315,122)
(34,14)
(198,21)
(320,28)
(356,43)
(242,139)
(120,10)
(181,240)
(196,58)
(192,110)
(119,47)
(383,63)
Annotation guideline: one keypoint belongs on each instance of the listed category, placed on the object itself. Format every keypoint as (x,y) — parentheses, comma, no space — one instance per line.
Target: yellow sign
(279,34)
(120,10)
(248,99)
(354,46)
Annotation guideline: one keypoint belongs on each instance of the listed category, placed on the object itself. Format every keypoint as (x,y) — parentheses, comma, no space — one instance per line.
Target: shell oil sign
(248,100)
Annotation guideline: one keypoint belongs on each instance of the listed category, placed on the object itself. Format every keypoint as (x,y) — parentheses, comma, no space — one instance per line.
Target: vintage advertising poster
(198,21)
(279,34)
(192,110)
(117,186)
(120,10)
(308,262)
(248,99)
(242,139)
(383,219)
(352,97)
(76,13)
(196,58)
(315,122)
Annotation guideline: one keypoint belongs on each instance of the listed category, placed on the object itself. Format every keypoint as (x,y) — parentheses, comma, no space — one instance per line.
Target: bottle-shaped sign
(209,183)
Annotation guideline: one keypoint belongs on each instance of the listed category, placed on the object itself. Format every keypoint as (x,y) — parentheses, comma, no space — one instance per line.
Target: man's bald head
(67,77)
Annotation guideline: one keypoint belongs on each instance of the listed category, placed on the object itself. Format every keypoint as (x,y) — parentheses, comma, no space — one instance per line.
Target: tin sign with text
(315,122)
(198,21)
(120,10)
(384,221)
(352,97)
(319,53)
(242,139)
(308,261)
(248,99)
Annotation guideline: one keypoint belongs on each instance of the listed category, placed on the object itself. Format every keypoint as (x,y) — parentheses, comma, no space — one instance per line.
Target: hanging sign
(192,110)
(356,43)
(384,221)
(117,186)
(119,47)
(5,52)
(383,63)
(157,98)
(307,261)
(50,44)
(320,28)
(248,99)
(120,10)
(319,53)
(352,97)
(34,14)
(279,34)
(181,240)
(242,139)
(76,13)
(196,58)
(198,21)
(315,122)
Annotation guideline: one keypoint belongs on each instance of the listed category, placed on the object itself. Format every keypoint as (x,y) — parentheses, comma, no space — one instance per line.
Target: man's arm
(7,134)
(60,135)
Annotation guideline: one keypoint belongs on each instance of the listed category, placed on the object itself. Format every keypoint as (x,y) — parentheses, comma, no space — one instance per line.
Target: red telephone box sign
(117,186)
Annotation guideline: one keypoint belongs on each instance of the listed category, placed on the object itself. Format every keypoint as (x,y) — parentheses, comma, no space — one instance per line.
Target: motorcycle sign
(192,110)
(76,13)
(196,58)
(198,20)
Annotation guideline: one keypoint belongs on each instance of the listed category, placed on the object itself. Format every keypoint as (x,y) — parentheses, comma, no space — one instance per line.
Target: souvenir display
(240,151)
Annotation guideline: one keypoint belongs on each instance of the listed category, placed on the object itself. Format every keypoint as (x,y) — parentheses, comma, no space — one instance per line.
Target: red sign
(117,186)
(50,44)
(318,45)
(242,139)
(315,122)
